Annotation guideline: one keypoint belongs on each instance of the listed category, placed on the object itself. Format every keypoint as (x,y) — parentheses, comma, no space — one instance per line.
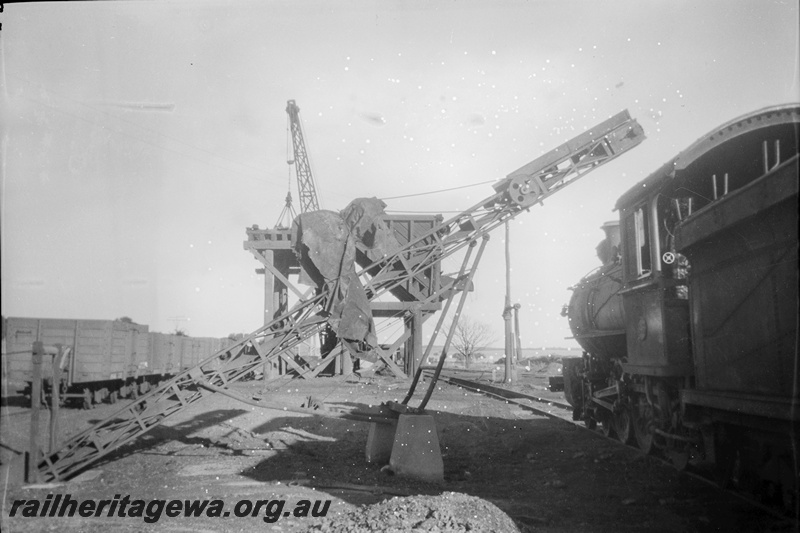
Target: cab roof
(766,117)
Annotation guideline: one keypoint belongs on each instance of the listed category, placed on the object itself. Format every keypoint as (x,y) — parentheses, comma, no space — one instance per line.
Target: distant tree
(470,338)
(126,319)
(179,332)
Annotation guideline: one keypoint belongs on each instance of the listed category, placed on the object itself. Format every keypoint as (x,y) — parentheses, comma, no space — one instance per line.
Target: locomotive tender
(690,326)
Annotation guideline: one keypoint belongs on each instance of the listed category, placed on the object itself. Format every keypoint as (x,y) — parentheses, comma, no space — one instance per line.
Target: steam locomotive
(689,328)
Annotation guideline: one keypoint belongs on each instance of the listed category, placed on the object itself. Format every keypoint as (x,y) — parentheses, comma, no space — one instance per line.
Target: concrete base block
(380,441)
(416,452)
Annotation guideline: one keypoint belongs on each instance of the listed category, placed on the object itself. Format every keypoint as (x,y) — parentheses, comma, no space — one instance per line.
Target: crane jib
(305,179)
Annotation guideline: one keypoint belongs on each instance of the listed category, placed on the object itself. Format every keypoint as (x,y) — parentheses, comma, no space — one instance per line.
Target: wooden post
(269,283)
(509,344)
(347,361)
(517,339)
(32,470)
(416,347)
(55,399)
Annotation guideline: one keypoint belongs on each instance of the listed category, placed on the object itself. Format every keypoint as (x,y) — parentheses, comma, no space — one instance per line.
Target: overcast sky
(140,139)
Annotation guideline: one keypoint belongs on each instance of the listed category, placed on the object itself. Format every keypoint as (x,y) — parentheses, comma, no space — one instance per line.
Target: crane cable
(437,191)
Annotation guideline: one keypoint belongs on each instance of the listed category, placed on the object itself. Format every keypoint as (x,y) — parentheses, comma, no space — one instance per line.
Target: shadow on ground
(536,470)
(162,434)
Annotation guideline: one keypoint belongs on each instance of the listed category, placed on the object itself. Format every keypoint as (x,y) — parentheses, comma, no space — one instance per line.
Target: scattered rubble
(450,512)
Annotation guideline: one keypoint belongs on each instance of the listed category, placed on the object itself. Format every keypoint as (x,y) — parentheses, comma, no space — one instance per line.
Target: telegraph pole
(509,336)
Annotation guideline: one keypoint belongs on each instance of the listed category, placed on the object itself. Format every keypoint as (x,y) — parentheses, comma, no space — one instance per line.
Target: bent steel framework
(514,194)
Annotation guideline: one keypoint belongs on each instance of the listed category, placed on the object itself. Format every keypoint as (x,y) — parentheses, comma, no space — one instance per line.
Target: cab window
(637,247)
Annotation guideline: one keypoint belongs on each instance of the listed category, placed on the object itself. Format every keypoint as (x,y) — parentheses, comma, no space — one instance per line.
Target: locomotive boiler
(690,331)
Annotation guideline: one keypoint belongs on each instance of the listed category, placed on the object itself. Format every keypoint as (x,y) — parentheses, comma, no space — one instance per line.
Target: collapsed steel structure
(467,233)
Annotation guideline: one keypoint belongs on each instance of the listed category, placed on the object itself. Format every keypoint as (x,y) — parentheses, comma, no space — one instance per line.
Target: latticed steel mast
(513,195)
(305,179)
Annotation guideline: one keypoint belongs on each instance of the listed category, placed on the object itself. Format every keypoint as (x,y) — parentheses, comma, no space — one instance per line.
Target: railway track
(549,407)
(556,409)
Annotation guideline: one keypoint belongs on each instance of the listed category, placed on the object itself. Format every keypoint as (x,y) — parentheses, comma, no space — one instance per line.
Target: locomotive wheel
(623,425)
(606,423)
(642,422)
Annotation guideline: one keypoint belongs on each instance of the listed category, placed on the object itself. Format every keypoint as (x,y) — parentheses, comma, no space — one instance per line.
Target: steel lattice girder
(513,195)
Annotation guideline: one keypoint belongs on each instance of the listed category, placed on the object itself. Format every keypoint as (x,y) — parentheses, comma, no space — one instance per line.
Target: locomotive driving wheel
(623,424)
(643,423)
(606,420)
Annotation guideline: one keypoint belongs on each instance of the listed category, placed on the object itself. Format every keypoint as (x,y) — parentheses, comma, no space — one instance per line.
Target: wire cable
(436,192)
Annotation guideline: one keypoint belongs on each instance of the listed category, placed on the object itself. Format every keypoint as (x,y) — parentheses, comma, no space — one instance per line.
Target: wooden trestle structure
(272,248)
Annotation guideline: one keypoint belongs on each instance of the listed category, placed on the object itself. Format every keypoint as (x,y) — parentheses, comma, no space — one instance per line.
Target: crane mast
(516,193)
(305,179)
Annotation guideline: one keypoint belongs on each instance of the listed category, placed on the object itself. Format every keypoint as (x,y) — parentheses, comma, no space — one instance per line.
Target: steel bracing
(462,233)
(305,179)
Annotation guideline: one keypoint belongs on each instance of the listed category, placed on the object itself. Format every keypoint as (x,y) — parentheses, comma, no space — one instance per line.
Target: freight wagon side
(103,355)
(107,359)
(197,349)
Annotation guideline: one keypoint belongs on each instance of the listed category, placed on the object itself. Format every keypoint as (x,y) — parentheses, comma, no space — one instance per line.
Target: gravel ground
(448,512)
(505,469)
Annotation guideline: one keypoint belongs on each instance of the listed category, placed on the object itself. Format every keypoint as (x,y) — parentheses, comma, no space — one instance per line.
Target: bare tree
(470,338)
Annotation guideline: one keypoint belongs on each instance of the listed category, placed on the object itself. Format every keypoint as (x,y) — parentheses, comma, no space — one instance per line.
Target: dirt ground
(505,469)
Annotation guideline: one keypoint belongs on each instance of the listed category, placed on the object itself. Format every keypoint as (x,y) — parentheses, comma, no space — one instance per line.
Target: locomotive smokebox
(595,312)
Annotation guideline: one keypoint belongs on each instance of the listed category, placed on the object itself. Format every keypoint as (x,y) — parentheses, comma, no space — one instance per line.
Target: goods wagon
(104,359)
(196,349)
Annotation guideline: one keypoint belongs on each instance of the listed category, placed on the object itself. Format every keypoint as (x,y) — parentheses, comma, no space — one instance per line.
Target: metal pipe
(714,182)
(455,321)
(436,330)
(726,185)
(766,157)
(777,153)
(678,209)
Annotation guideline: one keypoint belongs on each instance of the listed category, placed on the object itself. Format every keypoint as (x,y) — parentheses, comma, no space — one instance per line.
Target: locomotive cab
(707,374)
(709,268)
(654,291)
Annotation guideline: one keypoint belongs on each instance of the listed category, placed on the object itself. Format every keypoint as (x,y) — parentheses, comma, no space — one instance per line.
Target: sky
(140,139)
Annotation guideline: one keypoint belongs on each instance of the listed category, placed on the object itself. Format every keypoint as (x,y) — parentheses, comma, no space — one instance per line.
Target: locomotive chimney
(608,249)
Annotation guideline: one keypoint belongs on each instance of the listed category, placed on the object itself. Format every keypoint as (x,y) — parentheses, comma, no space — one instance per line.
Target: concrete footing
(414,450)
(380,442)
